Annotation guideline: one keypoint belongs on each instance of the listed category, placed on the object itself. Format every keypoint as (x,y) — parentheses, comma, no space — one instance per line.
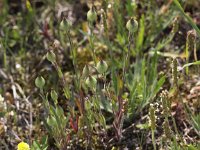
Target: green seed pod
(92,15)
(91,82)
(65,24)
(132,25)
(40,82)
(54,96)
(85,72)
(102,67)
(51,57)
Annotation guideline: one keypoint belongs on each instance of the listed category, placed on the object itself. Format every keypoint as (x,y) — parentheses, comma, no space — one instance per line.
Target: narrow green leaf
(188,18)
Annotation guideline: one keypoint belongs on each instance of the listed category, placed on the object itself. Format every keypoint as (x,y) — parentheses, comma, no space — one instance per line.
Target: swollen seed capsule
(65,24)
(102,67)
(85,72)
(91,82)
(51,57)
(54,96)
(92,15)
(132,25)
(40,82)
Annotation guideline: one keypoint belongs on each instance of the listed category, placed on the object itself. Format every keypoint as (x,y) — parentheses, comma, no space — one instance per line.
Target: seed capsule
(54,96)
(65,24)
(85,72)
(91,82)
(92,15)
(102,67)
(51,57)
(40,82)
(132,25)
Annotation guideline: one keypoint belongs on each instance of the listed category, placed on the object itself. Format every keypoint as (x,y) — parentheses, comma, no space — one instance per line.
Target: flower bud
(92,15)
(132,25)
(40,82)
(102,67)
(91,82)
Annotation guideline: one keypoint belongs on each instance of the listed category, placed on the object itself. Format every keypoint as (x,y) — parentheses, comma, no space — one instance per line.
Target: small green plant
(88,75)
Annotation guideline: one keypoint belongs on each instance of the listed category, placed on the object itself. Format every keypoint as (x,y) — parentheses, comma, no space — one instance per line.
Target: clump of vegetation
(99,75)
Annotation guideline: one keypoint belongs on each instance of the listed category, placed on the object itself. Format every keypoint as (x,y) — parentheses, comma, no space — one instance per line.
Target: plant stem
(74,61)
(91,41)
(153,139)
(127,59)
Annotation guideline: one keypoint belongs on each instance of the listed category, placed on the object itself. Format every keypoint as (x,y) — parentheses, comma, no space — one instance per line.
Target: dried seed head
(132,25)
(191,40)
(91,82)
(191,35)
(92,15)
(152,117)
(174,72)
(56,44)
(175,25)
(165,102)
(102,67)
